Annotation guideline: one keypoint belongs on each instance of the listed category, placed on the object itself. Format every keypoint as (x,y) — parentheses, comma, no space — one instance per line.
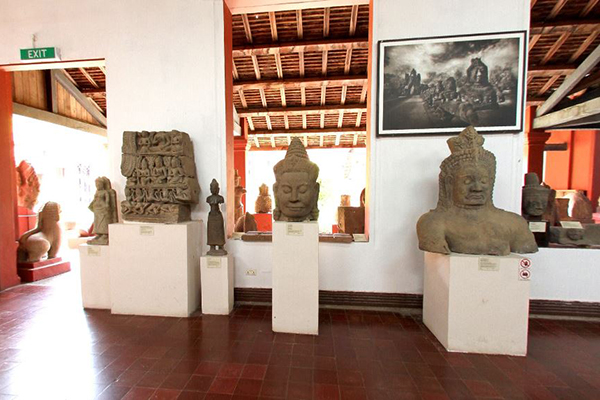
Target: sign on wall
(40,54)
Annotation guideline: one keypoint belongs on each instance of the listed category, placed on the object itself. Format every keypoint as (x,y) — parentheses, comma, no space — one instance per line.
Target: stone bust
(465,219)
(296,189)
(534,198)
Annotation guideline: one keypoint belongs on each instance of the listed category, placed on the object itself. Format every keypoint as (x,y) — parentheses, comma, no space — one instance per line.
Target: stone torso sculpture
(296,189)
(161,177)
(104,207)
(263,202)
(239,192)
(465,219)
(215,229)
(43,239)
(28,185)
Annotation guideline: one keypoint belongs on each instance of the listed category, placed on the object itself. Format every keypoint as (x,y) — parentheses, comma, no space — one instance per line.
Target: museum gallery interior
(313,199)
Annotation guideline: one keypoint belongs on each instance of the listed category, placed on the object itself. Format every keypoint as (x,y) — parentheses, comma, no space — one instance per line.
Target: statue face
(535,204)
(472,186)
(295,194)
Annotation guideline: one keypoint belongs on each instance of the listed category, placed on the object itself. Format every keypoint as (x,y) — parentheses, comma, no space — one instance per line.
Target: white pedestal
(296,277)
(216,277)
(476,304)
(154,268)
(95,276)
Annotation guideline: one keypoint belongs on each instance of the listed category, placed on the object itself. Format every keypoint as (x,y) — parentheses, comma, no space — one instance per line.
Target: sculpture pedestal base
(35,271)
(477,304)
(95,276)
(296,277)
(154,268)
(216,278)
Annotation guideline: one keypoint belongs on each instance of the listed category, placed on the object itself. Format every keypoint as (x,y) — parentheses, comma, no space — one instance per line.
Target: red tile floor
(51,349)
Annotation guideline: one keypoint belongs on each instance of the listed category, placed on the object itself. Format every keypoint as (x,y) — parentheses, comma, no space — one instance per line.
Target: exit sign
(40,54)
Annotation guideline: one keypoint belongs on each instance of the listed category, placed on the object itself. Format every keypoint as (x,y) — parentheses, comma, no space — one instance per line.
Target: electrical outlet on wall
(251,272)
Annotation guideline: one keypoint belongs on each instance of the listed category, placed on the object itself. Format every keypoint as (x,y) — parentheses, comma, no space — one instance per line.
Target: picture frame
(439,85)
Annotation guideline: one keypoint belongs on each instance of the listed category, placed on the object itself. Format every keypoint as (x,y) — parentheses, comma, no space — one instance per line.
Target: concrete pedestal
(216,277)
(477,304)
(154,268)
(296,277)
(95,276)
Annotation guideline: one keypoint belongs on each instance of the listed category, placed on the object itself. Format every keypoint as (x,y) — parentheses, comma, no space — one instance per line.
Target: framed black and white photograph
(441,85)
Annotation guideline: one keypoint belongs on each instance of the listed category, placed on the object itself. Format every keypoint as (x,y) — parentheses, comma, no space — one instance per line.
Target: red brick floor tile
(176,380)
(165,394)
(481,388)
(139,393)
(248,387)
(188,395)
(223,385)
(350,378)
(326,392)
(325,376)
(231,370)
(353,393)
(276,373)
(208,368)
(200,383)
(113,392)
(302,375)
(274,389)
(254,371)
(300,391)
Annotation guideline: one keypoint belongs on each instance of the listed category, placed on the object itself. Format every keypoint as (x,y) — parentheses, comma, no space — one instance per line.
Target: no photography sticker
(524,275)
(525,263)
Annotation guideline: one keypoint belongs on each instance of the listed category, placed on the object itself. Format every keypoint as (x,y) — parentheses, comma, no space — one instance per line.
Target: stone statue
(45,238)
(588,236)
(28,185)
(345,200)
(215,229)
(246,223)
(465,219)
(263,202)
(239,192)
(580,207)
(161,177)
(296,189)
(534,200)
(104,207)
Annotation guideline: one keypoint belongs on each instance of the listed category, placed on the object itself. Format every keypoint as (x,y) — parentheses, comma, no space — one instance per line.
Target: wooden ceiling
(91,82)
(302,72)
(562,34)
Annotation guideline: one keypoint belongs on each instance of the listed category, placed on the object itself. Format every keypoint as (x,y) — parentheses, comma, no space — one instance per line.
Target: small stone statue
(589,235)
(296,188)
(465,219)
(215,229)
(43,239)
(263,202)
(534,198)
(580,207)
(345,200)
(104,207)
(246,223)
(28,185)
(239,192)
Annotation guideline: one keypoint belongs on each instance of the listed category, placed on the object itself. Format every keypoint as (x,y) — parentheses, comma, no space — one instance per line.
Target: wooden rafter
(263,98)
(256,67)
(250,123)
(303,121)
(235,71)
(588,7)
(350,130)
(299,24)
(533,3)
(567,115)
(242,98)
(344,93)
(301,63)
(286,122)
(583,47)
(326,22)
(303,96)
(559,42)
(89,78)
(322,122)
(323,95)
(307,110)
(358,118)
(340,119)
(247,30)
(332,81)
(282,95)
(313,46)
(550,70)
(324,63)
(348,61)
(269,126)
(587,82)
(556,9)
(273,22)
(353,19)
(63,78)
(548,84)
(103,69)
(363,93)
(533,40)
(279,66)
(560,26)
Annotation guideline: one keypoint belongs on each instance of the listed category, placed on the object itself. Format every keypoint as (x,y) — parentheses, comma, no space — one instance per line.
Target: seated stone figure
(465,219)
(43,239)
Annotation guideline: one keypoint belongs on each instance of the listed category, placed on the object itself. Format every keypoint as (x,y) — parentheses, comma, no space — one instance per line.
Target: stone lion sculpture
(43,239)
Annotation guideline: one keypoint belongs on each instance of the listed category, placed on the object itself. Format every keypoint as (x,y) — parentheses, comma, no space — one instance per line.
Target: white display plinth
(95,276)
(154,268)
(476,304)
(296,277)
(216,278)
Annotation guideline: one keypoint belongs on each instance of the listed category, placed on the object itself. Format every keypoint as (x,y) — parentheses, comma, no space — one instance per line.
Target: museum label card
(94,251)
(571,224)
(214,262)
(146,230)
(295,230)
(359,237)
(537,226)
(489,264)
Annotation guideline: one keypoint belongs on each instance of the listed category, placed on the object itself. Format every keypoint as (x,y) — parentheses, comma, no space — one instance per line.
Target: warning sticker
(524,274)
(525,263)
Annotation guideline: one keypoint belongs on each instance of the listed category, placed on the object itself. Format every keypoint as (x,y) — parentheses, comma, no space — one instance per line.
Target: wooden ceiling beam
(65,81)
(309,46)
(256,67)
(350,130)
(324,63)
(313,82)
(587,82)
(88,77)
(358,118)
(103,69)
(363,93)
(348,61)
(269,126)
(279,66)
(556,9)
(273,23)
(282,94)
(353,19)
(250,123)
(236,75)
(340,119)
(323,95)
(299,24)
(550,70)
(559,42)
(247,29)
(242,98)
(263,98)
(326,12)
(301,63)
(533,3)
(286,122)
(560,26)
(583,47)
(569,114)
(588,7)
(303,121)
(344,93)
(322,122)
(533,40)
(548,85)
(303,96)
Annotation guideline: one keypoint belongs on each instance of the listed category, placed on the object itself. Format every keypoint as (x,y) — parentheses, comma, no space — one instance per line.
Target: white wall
(164,61)
(404,171)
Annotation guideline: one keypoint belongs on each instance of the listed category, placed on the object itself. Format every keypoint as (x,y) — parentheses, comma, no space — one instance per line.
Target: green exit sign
(40,54)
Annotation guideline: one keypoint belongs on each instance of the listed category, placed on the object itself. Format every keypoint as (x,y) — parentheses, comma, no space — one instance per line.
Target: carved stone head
(263,190)
(214,187)
(296,189)
(535,196)
(467,176)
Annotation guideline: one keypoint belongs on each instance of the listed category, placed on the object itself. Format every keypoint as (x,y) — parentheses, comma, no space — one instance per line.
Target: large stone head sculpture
(535,196)
(467,176)
(296,189)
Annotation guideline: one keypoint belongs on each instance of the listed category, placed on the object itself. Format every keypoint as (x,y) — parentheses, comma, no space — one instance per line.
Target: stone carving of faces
(295,194)
(472,186)
(575,234)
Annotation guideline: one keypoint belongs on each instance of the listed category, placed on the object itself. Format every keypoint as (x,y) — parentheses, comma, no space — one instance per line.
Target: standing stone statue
(296,188)
(239,192)
(215,229)
(161,177)
(44,239)
(465,219)
(263,204)
(104,207)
